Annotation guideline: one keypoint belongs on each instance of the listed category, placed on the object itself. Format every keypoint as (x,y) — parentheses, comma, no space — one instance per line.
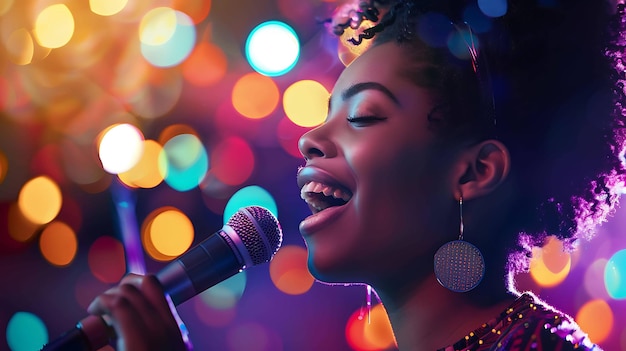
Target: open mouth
(320,196)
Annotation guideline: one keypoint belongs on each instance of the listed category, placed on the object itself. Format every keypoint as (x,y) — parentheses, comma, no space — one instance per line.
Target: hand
(140,315)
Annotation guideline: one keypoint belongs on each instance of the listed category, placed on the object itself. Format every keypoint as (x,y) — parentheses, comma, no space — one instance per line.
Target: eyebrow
(359,87)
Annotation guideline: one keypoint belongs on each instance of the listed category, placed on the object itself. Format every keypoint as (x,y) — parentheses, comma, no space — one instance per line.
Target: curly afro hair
(546,77)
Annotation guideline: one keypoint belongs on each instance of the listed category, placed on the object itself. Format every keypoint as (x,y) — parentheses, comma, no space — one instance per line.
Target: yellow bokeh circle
(146,173)
(550,264)
(167,233)
(40,200)
(54,26)
(255,96)
(58,244)
(306,103)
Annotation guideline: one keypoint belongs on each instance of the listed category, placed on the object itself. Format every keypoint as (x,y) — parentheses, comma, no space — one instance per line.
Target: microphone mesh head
(261,243)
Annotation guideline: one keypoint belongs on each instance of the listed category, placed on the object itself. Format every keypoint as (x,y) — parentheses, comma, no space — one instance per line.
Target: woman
(503,135)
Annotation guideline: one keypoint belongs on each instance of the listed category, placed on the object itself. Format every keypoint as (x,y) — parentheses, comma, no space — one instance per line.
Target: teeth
(307,188)
(319,188)
(338,194)
(327,191)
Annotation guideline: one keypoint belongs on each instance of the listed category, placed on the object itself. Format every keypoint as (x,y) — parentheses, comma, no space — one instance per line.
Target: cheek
(404,190)
(399,172)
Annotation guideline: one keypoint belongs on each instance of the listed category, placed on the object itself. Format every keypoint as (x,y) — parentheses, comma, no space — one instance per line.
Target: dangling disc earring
(459,265)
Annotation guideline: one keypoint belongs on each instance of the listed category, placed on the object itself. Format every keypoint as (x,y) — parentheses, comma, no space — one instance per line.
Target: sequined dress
(526,325)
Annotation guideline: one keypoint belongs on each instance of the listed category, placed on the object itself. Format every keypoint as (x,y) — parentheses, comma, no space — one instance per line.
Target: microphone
(250,237)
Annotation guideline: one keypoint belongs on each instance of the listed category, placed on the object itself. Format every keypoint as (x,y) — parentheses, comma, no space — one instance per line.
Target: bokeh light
(550,265)
(288,270)
(346,51)
(167,37)
(157,26)
(213,317)
(252,195)
(306,103)
(174,130)
(272,48)
(255,96)
(166,233)
(58,244)
(26,332)
(461,43)
(593,275)
(206,65)
(54,26)
(615,275)
(146,172)
(198,10)
(40,200)
(595,317)
(367,333)
(224,295)
(171,233)
(493,8)
(106,259)
(232,161)
(20,47)
(120,148)
(107,7)
(434,29)
(20,228)
(184,162)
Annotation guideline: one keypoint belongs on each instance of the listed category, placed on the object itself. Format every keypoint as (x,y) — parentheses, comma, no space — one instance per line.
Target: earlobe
(486,165)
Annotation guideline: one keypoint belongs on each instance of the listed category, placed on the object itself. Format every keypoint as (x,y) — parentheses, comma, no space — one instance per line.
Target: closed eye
(364,120)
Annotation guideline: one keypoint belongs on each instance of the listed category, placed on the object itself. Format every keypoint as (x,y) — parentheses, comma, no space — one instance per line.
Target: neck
(429,316)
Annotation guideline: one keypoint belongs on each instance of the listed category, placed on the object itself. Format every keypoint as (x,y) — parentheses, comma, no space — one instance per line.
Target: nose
(317,143)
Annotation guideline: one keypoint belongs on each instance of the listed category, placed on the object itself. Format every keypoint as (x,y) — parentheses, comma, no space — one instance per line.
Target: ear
(482,167)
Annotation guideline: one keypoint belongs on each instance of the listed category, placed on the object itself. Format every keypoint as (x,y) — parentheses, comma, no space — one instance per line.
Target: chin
(333,271)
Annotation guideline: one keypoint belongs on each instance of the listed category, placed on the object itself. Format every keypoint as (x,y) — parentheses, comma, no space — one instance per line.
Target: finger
(153,290)
(132,278)
(133,328)
(124,315)
(139,314)
(158,316)
(128,308)
(95,307)
(145,293)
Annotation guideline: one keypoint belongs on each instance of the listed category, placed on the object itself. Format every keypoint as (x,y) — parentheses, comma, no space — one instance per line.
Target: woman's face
(377,179)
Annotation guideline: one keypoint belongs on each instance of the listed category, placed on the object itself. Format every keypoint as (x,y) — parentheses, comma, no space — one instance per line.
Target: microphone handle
(213,260)
(91,333)
(72,340)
